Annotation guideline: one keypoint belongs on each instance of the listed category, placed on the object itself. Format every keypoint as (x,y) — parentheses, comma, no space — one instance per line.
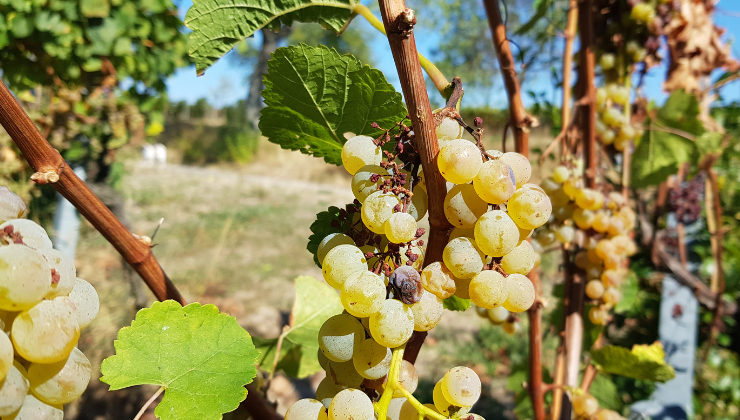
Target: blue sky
(225,82)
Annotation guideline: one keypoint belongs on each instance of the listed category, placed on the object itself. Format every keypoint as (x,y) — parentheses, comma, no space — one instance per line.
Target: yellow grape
(612,261)
(520,260)
(605,414)
(462,288)
(597,315)
(363,294)
(463,207)
(510,328)
(561,174)
(583,218)
(608,137)
(496,234)
(585,405)
(571,186)
(611,296)
(593,271)
(460,232)
(488,289)
(521,293)
(329,242)
(498,315)
(604,247)
(565,234)
(440,402)
(594,289)
(438,279)
(46,333)
(462,257)
(601,222)
(612,277)
(362,186)
(339,336)
(360,151)
(529,208)
(495,182)
(306,409)
(378,207)
(589,199)
(461,386)
(601,96)
(520,165)
(459,161)
(427,312)
(400,228)
(419,204)
(393,324)
(616,226)
(342,262)
(626,133)
(581,259)
(372,360)
(615,200)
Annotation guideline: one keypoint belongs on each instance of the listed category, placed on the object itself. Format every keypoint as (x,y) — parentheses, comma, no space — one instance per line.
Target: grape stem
(149,402)
(393,384)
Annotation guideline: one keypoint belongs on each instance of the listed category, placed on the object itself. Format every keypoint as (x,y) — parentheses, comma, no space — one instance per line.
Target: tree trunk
(270,41)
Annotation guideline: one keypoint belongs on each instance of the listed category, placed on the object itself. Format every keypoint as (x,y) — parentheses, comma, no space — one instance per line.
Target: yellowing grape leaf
(645,362)
(315,302)
(202,358)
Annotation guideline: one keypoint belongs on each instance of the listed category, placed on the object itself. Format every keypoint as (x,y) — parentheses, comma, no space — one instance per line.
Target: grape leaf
(322,227)
(314,96)
(315,302)
(454,303)
(218,25)
(606,393)
(642,362)
(202,358)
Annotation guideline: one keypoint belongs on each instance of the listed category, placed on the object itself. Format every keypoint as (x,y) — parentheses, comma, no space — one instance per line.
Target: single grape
(545,236)
(608,137)
(605,414)
(612,261)
(462,288)
(437,279)
(351,404)
(25,277)
(589,199)
(498,315)
(601,97)
(601,222)
(510,328)
(462,257)
(48,332)
(329,242)
(565,234)
(31,233)
(362,184)
(306,409)
(372,360)
(363,294)
(61,382)
(583,218)
(396,410)
(613,117)
(639,55)
(6,355)
(63,280)
(427,312)
(496,234)
(643,12)
(327,389)
(449,129)
(604,247)
(597,315)
(344,373)
(529,208)
(626,133)
(33,409)
(520,260)
(13,389)
(461,386)
(360,151)
(339,336)
(521,293)
(440,402)
(607,61)
(400,228)
(581,259)
(561,174)
(585,405)
(488,289)
(524,234)
(495,181)
(459,161)
(406,281)
(86,301)
(393,324)
(407,377)
(520,165)
(463,207)
(341,262)
(612,277)
(616,226)
(611,296)
(419,204)
(594,289)
(376,210)
(11,206)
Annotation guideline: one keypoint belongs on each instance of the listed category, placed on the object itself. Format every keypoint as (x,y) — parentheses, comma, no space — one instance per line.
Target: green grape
(13,389)
(626,132)
(61,382)
(86,302)
(363,294)
(611,296)
(585,405)
(621,144)
(495,181)
(329,242)
(360,151)
(594,289)
(34,236)
(529,208)
(631,46)
(521,293)
(327,389)
(459,161)
(601,97)
(437,279)
(561,174)
(440,402)
(463,207)
(619,94)
(339,336)
(607,61)
(510,328)
(351,404)
(461,386)
(597,315)
(33,409)
(498,315)
(400,228)
(11,206)
(393,324)
(419,204)
(496,234)
(601,128)
(612,117)
(520,260)
(378,207)
(46,333)
(639,55)
(449,129)
(520,165)
(344,373)
(545,236)
(583,218)
(6,355)
(608,137)
(643,12)
(341,262)
(25,277)
(372,360)
(462,288)
(462,257)
(362,186)
(427,312)
(565,234)
(488,289)
(306,409)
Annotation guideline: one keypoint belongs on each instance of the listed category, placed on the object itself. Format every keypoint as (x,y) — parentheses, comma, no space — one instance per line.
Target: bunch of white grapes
(43,307)
(612,125)
(454,394)
(601,224)
(586,407)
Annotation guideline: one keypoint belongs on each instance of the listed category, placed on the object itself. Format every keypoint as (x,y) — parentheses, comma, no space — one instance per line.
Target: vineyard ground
(236,237)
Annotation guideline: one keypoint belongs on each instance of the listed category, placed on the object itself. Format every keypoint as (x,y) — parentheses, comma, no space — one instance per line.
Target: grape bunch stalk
(376,264)
(43,307)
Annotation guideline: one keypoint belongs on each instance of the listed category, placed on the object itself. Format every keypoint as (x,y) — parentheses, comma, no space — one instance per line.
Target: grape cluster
(685,201)
(500,316)
(586,407)
(600,225)
(43,307)
(612,124)
(454,394)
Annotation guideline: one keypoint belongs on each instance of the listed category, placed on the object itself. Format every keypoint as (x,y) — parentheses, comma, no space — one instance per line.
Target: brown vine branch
(51,168)
(399,24)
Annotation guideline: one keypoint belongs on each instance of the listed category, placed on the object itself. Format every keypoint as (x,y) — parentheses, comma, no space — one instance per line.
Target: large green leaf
(314,97)
(315,302)
(202,358)
(218,25)
(642,362)
(658,156)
